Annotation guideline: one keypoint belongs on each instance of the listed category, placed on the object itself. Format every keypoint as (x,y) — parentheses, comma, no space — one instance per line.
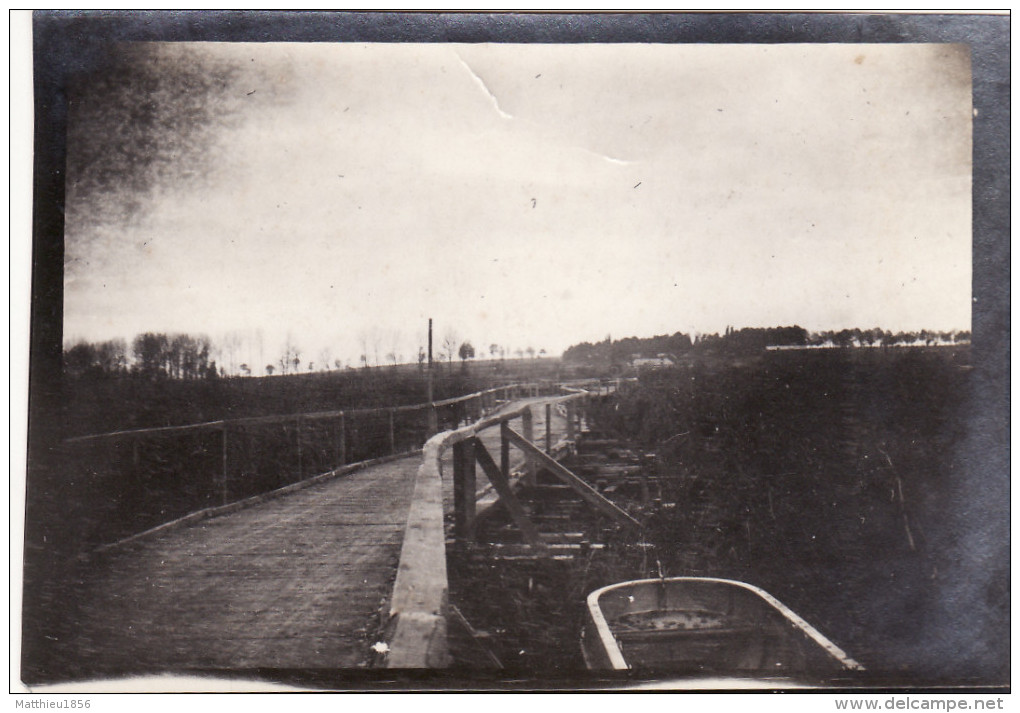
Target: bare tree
(231,345)
(325,358)
(377,340)
(260,341)
(364,339)
(450,340)
(394,342)
(291,356)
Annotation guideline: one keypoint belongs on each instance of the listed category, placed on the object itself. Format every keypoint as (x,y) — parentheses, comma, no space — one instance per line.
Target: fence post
(571,415)
(527,425)
(393,436)
(342,441)
(548,429)
(223,484)
(464,488)
(300,464)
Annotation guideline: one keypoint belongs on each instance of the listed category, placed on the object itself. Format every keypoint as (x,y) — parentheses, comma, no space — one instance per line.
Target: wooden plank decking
(295,582)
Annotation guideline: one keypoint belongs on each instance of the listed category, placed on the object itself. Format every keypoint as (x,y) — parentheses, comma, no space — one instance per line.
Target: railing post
(571,415)
(393,435)
(342,441)
(433,421)
(548,428)
(464,489)
(504,449)
(527,426)
(300,464)
(223,484)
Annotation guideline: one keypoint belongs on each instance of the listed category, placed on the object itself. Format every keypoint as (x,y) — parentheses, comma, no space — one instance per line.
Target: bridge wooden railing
(121,483)
(417,615)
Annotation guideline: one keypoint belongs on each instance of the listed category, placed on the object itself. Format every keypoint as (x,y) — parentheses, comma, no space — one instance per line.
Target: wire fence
(122,483)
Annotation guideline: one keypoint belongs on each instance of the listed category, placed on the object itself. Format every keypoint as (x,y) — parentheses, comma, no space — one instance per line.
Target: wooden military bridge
(340,569)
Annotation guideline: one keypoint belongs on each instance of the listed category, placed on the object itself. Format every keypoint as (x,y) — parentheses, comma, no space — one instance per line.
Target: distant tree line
(183,356)
(610,352)
(881,337)
(152,355)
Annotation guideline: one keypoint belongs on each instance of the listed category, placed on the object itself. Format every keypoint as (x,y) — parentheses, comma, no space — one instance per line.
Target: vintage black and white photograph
(375,351)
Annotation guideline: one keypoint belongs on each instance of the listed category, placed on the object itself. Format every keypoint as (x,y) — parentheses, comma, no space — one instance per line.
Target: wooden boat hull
(707,627)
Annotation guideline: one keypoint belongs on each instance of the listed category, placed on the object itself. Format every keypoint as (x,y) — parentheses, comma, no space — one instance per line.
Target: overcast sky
(530,195)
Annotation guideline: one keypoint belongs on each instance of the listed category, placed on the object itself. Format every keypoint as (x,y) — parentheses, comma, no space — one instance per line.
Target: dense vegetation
(835,479)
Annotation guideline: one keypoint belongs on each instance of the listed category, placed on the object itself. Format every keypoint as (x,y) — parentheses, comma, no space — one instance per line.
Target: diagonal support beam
(506,494)
(587,492)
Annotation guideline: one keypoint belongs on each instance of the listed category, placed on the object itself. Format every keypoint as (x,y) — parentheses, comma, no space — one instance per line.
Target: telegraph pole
(433,422)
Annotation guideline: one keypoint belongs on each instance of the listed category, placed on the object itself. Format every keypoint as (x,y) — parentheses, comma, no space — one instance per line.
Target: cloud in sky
(522,194)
